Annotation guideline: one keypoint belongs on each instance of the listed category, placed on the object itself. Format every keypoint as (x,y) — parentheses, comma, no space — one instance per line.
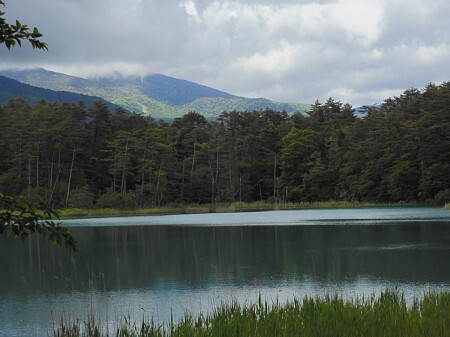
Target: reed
(328,316)
(213,208)
(108,212)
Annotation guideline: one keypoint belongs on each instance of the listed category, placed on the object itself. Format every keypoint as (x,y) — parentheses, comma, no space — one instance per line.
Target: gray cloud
(357,52)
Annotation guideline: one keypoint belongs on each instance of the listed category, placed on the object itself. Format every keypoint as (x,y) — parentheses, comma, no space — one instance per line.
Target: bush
(81,198)
(111,199)
(443,196)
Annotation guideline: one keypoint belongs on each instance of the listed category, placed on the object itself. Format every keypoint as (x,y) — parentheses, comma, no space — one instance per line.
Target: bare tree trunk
(240,187)
(114,173)
(212,181)
(56,180)
(275,176)
(232,183)
(37,166)
(50,180)
(70,178)
(217,166)
(157,183)
(193,161)
(182,183)
(260,193)
(29,177)
(201,192)
(123,183)
(141,198)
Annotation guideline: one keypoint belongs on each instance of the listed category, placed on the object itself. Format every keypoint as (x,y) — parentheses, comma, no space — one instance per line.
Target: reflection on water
(160,269)
(344,216)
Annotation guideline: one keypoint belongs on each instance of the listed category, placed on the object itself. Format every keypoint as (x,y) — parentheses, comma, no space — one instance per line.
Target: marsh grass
(330,316)
(213,208)
(107,212)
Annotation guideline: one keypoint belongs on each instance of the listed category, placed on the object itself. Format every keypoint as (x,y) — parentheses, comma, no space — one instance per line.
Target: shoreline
(386,314)
(226,208)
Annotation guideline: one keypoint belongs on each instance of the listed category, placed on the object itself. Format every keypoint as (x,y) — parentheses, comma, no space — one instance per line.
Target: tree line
(71,155)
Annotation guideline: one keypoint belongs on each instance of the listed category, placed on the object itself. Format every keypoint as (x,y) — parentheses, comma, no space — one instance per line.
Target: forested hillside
(154,94)
(73,156)
(11,89)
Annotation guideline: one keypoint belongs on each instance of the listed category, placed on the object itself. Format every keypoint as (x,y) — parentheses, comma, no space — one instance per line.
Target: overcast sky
(356,51)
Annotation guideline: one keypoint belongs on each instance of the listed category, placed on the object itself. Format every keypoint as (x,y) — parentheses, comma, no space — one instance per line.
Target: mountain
(11,89)
(362,111)
(157,95)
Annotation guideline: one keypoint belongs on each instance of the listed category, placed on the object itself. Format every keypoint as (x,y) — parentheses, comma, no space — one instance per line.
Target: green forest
(73,156)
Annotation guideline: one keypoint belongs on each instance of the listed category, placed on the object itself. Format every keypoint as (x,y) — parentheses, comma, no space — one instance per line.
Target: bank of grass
(263,206)
(213,208)
(107,212)
(329,316)
(447,206)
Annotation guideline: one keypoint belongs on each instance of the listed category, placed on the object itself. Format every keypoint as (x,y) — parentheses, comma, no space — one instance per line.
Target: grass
(100,212)
(330,316)
(447,206)
(213,208)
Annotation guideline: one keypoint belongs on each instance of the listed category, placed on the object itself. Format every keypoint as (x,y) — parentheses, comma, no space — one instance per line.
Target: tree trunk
(29,177)
(50,180)
(56,180)
(70,178)
(123,183)
(182,183)
(37,166)
(157,184)
(275,176)
(193,162)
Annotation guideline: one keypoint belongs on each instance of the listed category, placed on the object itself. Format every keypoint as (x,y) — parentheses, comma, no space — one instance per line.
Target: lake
(160,267)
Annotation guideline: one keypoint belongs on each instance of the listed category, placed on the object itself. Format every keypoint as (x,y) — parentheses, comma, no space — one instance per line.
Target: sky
(355,51)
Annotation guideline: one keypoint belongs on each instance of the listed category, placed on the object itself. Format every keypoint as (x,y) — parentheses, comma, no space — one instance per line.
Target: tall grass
(106,212)
(330,316)
(213,208)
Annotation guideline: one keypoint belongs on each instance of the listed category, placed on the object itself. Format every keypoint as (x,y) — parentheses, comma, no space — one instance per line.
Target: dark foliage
(20,218)
(74,156)
(12,89)
(12,34)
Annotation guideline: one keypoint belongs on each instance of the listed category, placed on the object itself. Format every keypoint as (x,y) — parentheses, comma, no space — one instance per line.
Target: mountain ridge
(12,89)
(157,95)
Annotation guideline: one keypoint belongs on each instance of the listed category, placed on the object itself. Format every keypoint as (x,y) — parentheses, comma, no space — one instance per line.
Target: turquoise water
(163,266)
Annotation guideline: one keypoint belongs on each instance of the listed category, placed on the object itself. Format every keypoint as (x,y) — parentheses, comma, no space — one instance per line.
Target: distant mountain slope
(157,95)
(166,89)
(363,111)
(11,89)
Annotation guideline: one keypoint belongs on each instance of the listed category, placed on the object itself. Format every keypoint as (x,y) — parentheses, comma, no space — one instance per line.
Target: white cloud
(191,9)
(275,62)
(361,20)
(291,50)
(430,54)
(100,70)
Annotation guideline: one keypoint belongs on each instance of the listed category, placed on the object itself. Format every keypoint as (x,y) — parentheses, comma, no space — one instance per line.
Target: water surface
(167,265)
